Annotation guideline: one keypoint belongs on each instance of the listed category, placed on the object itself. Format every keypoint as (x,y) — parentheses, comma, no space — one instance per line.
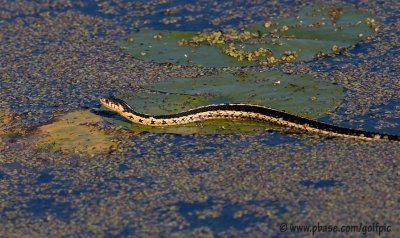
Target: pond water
(61,56)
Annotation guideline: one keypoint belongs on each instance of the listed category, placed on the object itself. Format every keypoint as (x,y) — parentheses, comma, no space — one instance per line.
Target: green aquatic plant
(317,31)
(298,94)
(71,133)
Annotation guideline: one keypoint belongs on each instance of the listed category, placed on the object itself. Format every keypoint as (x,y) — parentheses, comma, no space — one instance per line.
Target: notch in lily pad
(316,31)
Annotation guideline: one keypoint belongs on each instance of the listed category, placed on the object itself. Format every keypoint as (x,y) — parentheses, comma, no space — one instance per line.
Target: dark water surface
(62,56)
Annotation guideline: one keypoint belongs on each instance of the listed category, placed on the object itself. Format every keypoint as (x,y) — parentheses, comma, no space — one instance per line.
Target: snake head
(110,103)
(104,101)
(115,104)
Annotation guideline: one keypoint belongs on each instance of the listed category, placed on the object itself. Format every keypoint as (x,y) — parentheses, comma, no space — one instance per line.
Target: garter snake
(241,112)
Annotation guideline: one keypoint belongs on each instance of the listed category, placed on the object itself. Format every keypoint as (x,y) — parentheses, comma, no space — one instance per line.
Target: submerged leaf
(69,134)
(317,31)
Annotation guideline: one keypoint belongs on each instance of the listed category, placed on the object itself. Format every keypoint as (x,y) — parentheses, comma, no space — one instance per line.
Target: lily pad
(143,45)
(297,94)
(316,31)
(206,127)
(71,133)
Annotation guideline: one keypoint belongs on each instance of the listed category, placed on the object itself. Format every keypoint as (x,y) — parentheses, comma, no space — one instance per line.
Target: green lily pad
(297,94)
(316,31)
(143,45)
(206,127)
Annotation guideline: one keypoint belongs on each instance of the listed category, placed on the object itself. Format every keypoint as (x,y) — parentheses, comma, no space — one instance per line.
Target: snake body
(241,112)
